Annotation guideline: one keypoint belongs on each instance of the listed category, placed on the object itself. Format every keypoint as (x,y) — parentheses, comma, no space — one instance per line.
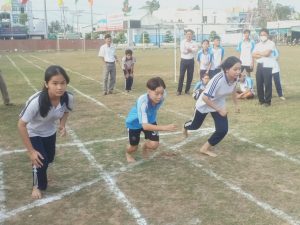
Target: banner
(91,2)
(110,23)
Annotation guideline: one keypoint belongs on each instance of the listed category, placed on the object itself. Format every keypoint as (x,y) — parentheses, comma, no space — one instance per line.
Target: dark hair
(229,62)
(247,31)
(189,30)
(205,40)
(155,82)
(128,51)
(107,36)
(205,75)
(217,38)
(44,100)
(264,30)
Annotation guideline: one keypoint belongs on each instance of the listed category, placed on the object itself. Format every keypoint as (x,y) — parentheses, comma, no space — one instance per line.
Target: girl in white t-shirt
(212,100)
(37,124)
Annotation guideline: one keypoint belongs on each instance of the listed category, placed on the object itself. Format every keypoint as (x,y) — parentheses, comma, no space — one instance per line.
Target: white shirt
(185,45)
(42,126)
(107,52)
(246,48)
(275,55)
(218,54)
(217,89)
(267,62)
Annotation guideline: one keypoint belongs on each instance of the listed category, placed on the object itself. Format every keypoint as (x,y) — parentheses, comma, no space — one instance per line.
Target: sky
(101,7)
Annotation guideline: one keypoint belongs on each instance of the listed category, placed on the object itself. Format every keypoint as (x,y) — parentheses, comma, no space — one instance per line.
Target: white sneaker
(282,98)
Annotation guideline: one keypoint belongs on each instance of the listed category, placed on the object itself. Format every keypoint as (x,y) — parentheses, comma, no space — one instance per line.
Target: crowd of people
(217,78)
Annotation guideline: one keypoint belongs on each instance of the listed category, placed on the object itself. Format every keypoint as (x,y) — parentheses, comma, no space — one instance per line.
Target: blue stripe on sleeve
(214,84)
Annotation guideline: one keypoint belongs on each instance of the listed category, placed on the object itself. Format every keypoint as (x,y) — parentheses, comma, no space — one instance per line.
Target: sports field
(254,180)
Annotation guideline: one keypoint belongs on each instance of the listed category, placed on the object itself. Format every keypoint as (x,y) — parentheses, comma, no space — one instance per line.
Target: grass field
(254,180)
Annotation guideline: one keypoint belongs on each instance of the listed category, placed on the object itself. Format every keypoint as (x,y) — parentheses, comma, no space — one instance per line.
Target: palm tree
(126,8)
(151,6)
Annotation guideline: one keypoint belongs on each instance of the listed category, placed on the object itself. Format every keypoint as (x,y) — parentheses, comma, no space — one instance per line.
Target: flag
(91,2)
(23,1)
(76,1)
(60,2)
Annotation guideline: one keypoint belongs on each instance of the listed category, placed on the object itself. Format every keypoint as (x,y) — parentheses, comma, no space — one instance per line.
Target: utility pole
(46,20)
(202,20)
(92,21)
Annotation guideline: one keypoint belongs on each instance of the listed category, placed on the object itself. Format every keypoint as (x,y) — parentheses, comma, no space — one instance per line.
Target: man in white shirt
(188,49)
(263,54)
(108,54)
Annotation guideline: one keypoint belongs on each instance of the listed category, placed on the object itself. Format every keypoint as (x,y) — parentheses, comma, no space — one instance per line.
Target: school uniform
(205,59)
(247,84)
(142,112)
(217,89)
(276,73)
(186,64)
(109,72)
(199,87)
(218,55)
(42,133)
(127,65)
(264,72)
(245,48)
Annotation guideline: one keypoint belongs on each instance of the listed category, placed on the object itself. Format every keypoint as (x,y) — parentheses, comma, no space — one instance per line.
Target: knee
(153,145)
(131,148)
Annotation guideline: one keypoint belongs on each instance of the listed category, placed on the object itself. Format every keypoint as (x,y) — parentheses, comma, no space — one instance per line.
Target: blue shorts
(134,135)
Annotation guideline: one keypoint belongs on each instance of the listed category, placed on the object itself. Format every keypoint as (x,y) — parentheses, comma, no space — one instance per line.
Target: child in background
(245,87)
(218,55)
(200,86)
(37,124)
(245,48)
(204,58)
(128,62)
(276,74)
(142,117)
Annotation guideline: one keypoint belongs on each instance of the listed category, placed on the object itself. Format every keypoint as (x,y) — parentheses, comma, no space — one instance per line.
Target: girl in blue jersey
(142,117)
(212,100)
(37,124)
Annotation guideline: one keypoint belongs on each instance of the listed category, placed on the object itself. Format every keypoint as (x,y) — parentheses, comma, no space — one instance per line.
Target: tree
(145,38)
(212,35)
(169,37)
(120,38)
(282,12)
(23,18)
(151,6)
(196,7)
(55,27)
(126,8)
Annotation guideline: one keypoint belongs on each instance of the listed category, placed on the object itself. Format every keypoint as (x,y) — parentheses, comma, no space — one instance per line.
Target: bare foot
(205,149)
(209,153)
(185,133)
(36,193)
(129,158)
